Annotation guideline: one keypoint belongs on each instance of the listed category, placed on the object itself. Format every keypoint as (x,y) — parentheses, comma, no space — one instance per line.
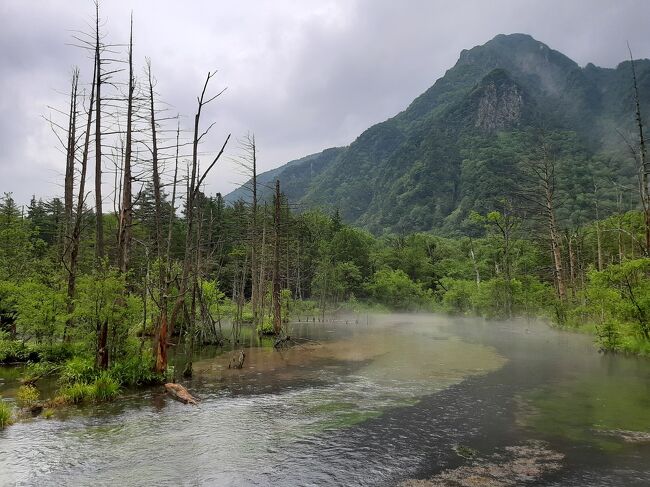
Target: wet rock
(627,436)
(517,466)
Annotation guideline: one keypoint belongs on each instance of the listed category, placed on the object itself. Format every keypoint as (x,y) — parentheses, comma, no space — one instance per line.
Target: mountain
(456,147)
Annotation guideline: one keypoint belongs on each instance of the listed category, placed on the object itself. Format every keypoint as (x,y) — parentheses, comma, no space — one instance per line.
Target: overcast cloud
(302,75)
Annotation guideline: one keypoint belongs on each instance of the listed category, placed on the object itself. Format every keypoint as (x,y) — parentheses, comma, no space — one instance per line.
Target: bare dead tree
(126,209)
(247,162)
(541,192)
(277,310)
(70,155)
(193,184)
(644,163)
(75,236)
(99,213)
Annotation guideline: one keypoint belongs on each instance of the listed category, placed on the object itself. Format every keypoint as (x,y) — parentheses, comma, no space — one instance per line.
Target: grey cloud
(303,75)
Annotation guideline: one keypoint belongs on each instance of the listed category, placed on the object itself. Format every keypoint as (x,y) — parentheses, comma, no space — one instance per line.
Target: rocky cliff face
(500,105)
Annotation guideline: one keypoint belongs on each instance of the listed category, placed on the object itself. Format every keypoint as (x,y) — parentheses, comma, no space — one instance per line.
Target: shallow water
(372,403)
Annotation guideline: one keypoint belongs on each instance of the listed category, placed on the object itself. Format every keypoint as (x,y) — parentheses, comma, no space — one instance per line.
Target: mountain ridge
(406,173)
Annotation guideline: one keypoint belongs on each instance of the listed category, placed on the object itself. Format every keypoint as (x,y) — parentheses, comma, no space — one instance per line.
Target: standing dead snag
(70,157)
(277,317)
(541,172)
(237,360)
(193,185)
(126,210)
(99,215)
(644,168)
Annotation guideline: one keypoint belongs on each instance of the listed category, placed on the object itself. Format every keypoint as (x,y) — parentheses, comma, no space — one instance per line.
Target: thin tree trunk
(99,231)
(645,164)
(126,213)
(277,318)
(75,240)
(70,158)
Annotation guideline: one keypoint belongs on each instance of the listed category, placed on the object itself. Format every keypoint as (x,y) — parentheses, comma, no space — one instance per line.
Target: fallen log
(179,393)
(237,360)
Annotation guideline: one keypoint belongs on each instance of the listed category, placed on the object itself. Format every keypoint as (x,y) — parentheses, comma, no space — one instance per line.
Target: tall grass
(5,414)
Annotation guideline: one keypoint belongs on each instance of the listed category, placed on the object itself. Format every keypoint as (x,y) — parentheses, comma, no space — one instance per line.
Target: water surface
(369,403)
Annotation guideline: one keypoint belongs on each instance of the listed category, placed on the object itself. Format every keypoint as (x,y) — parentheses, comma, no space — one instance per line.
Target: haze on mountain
(458,146)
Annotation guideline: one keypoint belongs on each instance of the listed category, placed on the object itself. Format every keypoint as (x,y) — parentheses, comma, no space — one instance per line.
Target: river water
(375,401)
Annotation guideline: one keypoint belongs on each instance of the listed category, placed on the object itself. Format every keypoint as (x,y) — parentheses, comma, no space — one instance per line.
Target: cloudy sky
(302,75)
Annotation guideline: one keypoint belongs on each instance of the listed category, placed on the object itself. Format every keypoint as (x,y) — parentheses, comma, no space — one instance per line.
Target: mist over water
(371,402)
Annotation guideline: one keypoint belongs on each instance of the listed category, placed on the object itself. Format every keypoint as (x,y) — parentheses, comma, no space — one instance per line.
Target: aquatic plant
(136,371)
(74,393)
(105,387)
(265,327)
(5,414)
(78,370)
(48,413)
(27,396)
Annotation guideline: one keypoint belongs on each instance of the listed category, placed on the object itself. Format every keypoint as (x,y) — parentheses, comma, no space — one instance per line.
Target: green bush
(266,326)
(56,353)
(5,414)
(135,371)
(78,370)
(105,387)
(459,297)
(27,396)
(76,393)
(395,289)
(16,351)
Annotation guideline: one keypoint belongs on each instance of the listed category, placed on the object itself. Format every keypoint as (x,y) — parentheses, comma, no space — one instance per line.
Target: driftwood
(32,380)
(237,360)
(179,393)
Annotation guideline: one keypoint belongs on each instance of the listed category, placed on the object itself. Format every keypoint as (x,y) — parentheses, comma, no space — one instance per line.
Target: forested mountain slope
(463,144)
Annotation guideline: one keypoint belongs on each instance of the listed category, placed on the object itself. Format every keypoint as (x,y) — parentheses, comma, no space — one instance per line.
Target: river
(380,400)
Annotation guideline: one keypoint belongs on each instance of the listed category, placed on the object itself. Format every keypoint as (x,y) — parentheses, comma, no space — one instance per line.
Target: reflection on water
(356,404)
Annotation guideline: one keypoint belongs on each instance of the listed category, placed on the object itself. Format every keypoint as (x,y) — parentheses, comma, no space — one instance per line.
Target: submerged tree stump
(282,341)
(179,393)
(237,360)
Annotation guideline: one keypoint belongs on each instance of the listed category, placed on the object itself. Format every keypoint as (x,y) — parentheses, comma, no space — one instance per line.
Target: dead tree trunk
(277,318)
(99,215)
(70,158)
(546,174)
(126,211)
(193,185)
(644,162)
(75,238)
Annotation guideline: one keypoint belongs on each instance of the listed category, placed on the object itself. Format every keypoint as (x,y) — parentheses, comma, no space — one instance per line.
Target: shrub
(105,387)
(56,353)
(395,289)
(78,370)
(15,351)
(459,295)
(266,326)
(27,396)
(75,393)
(135,371)
(48,413)
(5,414)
